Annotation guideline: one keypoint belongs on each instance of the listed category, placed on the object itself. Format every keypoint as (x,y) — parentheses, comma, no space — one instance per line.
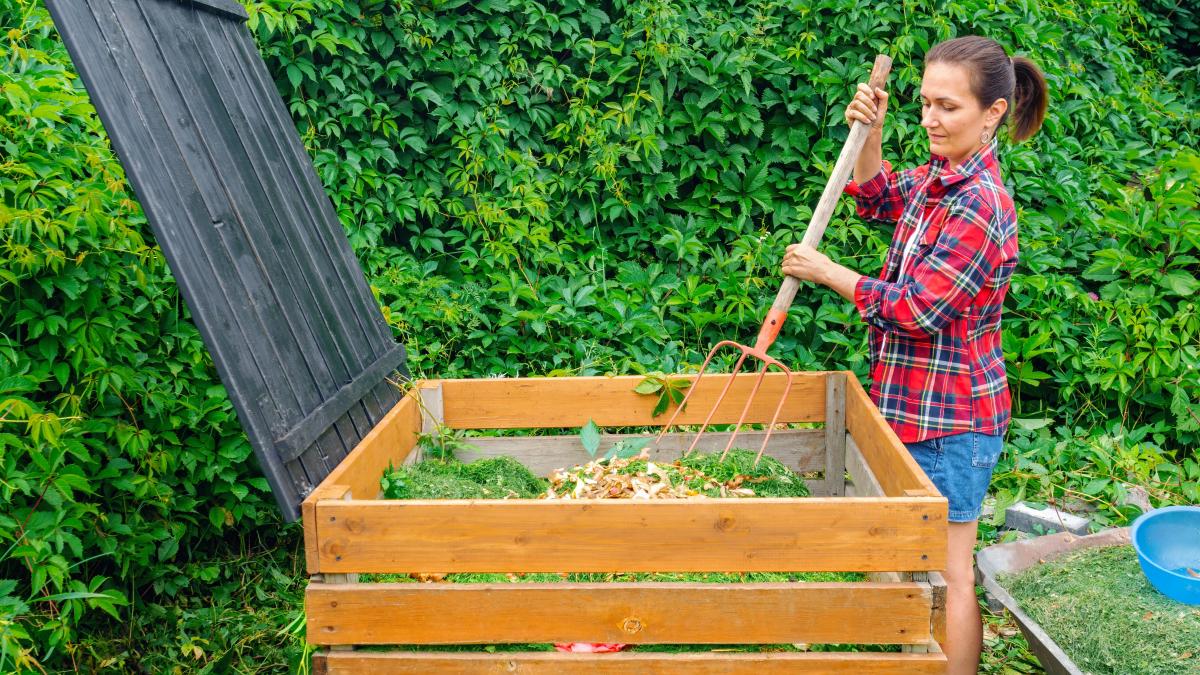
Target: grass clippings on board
(1099,607)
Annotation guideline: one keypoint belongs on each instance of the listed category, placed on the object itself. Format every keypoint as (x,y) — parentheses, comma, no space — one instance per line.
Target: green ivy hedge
(122,465)
(577,189)
(608,187)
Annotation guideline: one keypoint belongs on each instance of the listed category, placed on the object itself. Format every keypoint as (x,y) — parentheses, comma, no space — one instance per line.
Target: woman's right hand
(866,107)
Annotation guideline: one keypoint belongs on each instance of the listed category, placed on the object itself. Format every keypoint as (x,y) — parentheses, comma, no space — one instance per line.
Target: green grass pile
(770,478)
(1099,607)
(494,478)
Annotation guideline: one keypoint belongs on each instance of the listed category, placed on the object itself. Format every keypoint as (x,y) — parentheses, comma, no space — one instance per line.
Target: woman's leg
(964,624)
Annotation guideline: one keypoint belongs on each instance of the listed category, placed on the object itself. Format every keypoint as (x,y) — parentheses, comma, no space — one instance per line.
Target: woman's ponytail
(1030,97)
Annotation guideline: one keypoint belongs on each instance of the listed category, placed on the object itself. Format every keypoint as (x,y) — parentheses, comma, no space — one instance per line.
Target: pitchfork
(787,292)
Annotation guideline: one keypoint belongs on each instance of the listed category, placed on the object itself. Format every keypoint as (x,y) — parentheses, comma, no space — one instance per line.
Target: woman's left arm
(809,264)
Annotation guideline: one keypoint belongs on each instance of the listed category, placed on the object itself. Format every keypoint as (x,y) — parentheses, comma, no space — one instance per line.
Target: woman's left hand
(805,262)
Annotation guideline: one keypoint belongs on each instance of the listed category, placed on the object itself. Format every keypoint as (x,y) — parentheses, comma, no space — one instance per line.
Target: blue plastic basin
(1167,542)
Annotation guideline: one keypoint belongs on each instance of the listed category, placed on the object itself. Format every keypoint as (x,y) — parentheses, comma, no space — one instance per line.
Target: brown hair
(994,76)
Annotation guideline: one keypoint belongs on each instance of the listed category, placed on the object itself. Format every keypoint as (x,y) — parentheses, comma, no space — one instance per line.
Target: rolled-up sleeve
(882,197)
(945,281)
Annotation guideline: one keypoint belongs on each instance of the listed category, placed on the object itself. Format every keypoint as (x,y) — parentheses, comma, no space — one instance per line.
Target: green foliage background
(572,189)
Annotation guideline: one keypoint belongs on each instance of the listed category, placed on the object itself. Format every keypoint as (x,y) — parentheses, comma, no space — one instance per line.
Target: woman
(933,316)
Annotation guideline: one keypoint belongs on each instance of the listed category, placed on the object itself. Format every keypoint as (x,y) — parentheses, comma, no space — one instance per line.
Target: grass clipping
(1097,605)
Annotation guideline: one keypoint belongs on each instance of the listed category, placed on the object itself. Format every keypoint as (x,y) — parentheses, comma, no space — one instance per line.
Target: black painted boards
(245,225)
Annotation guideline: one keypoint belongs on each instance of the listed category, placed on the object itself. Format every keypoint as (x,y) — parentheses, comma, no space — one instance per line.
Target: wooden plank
(800,450)
(895,468)
(550,663)
(636,613)
(131,111)
(610,401)
(937,584)
(333,344)
(432,416)
(296,440)
(835,434)
(816,487)
(691,535)
(227,8)
(343,581)
(177,113)
(308,521)
(308,511)
(862,480)
(390,441)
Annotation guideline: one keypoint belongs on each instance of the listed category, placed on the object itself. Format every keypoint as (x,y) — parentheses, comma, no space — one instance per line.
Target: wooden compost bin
(886,519)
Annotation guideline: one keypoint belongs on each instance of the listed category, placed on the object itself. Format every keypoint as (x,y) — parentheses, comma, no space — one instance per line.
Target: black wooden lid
(245,225)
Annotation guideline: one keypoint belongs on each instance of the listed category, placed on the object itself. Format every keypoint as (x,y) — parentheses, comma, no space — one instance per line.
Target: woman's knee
(960,558)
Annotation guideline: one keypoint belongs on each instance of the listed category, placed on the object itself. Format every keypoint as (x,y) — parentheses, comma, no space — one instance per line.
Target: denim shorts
(960,466)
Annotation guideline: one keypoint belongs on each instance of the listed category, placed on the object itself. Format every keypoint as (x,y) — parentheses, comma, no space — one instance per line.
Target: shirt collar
(984,158)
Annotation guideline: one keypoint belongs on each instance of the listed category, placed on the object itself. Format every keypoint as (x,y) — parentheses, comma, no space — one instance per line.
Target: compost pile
(609,478)
(692,476)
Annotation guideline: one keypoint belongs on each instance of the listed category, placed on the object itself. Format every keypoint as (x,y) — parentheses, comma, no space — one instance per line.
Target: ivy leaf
(661,407)
(648,386)
(589,435)
(294,75)
(1181,283)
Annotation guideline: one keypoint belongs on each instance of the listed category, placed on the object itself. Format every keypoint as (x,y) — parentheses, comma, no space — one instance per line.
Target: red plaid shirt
(937,367)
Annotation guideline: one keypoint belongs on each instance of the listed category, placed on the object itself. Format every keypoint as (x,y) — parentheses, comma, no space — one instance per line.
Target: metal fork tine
(692,389)
(745,409)
(787,387)
(713,410)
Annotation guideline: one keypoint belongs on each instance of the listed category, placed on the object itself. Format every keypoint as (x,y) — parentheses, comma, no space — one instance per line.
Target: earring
(985,136)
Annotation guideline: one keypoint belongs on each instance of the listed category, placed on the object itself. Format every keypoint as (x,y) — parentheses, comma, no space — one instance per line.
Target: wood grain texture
(611,401)
(635,613)
(835,434)
(862,480)
(895,469)
(800,450)
(308,511)
(937,583)
(390,441)
(542,663)
(274,288)
(701,535)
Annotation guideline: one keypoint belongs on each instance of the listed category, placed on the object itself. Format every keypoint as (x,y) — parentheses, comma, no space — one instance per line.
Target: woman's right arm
(876,188)
(870,108)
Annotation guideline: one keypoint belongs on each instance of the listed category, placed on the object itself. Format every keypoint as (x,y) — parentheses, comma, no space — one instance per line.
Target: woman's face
(952,115)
